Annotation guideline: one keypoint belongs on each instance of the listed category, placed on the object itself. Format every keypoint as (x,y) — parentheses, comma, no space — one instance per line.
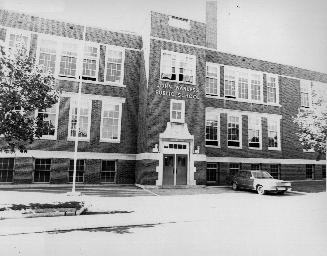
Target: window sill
(254,148)
(242,100)
(79,139)
(90,81)
(109,141)
(175,81)
(274,149)
(232,147)
(211,146)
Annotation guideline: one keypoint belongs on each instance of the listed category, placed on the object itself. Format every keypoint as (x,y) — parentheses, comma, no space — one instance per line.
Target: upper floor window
(272,88)
(110,122)
(48,54)
(274,133)
(178,67)
(230,82)
(177,111)
(50,120)
(243,84)
(212,79)
(212,132)
(15,38)
(305,90)
(90,62)
(254,132)
(84,118)
(114,65)
(234,130)
(68,59)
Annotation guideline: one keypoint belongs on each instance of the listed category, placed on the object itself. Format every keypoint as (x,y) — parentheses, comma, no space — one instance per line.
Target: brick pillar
(24,169)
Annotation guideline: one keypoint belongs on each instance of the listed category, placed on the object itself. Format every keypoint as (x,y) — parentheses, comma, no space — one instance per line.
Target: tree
(24,88)
(312,124)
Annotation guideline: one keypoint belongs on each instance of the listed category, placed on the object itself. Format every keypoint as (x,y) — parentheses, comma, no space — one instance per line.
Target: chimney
(211,24)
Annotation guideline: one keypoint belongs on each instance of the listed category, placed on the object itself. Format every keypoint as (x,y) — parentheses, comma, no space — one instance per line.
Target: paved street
(228,223)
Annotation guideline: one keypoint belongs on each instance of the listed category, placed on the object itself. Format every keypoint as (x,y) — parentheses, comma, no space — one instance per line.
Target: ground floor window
(234,168)
(108,171)
(323,169)
(42,170)
(309,171)
(275,171)
(256,167)
(212,169)
(6,169)
(80,167)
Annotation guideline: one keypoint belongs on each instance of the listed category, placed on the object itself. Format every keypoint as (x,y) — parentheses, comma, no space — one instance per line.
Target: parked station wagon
(261,181)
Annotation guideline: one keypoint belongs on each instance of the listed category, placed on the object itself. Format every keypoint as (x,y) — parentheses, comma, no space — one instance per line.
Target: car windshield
(261,175)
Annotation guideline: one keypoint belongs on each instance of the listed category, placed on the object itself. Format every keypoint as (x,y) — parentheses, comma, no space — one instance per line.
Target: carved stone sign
(182,91)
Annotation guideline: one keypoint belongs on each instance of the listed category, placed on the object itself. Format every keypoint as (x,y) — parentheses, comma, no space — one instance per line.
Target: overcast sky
(290,32)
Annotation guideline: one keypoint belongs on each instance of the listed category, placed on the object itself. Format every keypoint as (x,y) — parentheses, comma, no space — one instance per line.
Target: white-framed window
(272,88)
(47,54)
(110,122)
(178,67)
(91,61)
(84,119)
(50,120)
(256,86)
(16,37)
(212,79)
(114,65)
(68,59)
(273,133)
(254,132)
(243,85)
(305,90)
(234,130)
(230,82)
(108,171)
(213,131)
(177,111)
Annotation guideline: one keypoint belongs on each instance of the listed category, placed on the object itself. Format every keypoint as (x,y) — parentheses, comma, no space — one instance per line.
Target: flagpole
(80,73)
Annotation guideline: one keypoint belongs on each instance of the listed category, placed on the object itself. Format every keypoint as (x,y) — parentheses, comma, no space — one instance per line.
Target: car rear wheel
(260,190)
(234,186)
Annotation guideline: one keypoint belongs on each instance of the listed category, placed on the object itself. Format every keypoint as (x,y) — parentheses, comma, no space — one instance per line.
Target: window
(18,38)
(114,65)
(256,85)
(309,171)
(50,120)
(84,120)
(212,79)
(275,171)
(212,133)
(90,62)
(254,132)
(177,111)
(234,168)
(110,122)
(305,87)
(234,129)
(230,80)
(256,167)
(178,67)
(179,22)
(243,85)
(47,54)
(68,59)
(323,170)
(42,170)
(80,167)
(273,133)
(6,169)
(272,88)
(108,171)
(212,169)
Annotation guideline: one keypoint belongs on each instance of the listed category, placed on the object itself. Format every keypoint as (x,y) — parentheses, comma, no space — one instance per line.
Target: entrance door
(174,170)
(181,169)
(168,170)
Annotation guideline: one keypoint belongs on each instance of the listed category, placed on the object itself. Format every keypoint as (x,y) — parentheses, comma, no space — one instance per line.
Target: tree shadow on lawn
(115,229)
